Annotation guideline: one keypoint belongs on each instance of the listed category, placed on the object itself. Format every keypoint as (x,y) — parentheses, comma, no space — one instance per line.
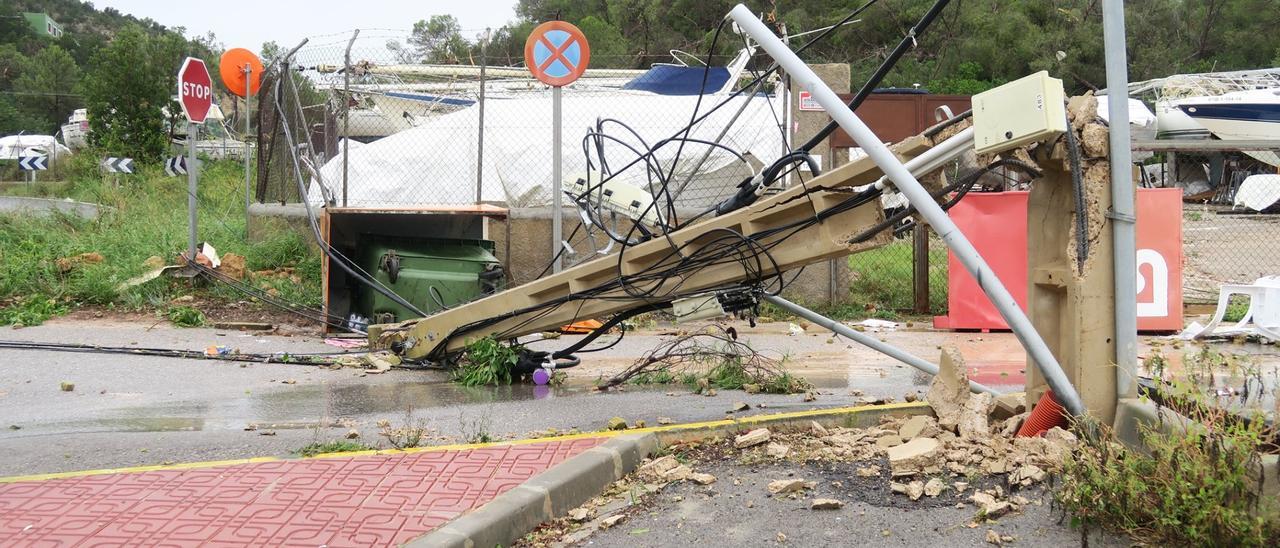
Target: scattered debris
(67,386)
(826,504)
(739,407)
(949,391)
(289,381)
(233,266)
(783,486)
(934,487)
(611,521)
(67,264)
(777,450)
(913,457)
(702,479)
(353,434)
(752,438)
(579,514)
(244,326)
(617,423)
(665,420)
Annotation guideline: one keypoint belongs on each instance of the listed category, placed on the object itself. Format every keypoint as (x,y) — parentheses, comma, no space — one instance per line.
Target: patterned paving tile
(378,500)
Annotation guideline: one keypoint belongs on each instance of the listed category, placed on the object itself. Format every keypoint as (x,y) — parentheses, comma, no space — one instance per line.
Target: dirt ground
(1222,249)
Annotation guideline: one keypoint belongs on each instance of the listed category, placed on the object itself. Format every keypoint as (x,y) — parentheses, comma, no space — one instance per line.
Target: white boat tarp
(435,164)
(1258,192)
(14,147)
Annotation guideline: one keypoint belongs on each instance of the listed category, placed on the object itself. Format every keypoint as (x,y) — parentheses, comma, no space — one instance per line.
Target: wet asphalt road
(139,410)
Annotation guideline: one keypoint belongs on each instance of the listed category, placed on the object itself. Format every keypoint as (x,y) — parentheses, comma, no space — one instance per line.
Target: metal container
(431,273)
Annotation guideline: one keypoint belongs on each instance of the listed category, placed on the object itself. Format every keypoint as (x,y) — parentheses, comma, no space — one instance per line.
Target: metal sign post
(195,94)
(556,53)
(240,70)
(248,97)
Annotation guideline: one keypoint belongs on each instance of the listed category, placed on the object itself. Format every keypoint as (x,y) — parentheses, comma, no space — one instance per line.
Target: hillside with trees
(121,67)
(974,45)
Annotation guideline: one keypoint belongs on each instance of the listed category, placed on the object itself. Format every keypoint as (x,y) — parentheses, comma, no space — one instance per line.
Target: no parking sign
(557,53)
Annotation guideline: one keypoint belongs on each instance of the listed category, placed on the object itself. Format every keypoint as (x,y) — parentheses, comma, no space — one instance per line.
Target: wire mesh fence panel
(1230,230)
(385,131)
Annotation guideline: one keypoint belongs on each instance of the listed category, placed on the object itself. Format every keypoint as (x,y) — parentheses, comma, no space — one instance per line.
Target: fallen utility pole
(764,222)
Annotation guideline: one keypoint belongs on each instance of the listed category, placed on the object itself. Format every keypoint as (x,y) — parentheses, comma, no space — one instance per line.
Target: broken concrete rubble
(752,438)
(919,426)
(777,450)
(912,457)
(949,391)
(783,486)
(826,504)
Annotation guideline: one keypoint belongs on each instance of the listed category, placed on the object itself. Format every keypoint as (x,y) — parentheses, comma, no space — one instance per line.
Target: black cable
(1077,185)
(889,62)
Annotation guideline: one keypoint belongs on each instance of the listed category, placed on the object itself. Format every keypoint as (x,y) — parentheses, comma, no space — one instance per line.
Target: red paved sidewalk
(375,500)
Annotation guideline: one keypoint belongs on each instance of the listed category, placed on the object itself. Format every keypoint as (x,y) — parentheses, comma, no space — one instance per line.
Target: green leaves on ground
(30,311)
(486,362)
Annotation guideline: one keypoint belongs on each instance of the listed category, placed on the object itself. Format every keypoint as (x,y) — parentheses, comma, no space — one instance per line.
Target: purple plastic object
(541,377)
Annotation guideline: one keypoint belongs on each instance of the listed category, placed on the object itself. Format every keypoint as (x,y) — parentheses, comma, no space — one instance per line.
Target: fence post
(346,113)
(920,274)
(484,42)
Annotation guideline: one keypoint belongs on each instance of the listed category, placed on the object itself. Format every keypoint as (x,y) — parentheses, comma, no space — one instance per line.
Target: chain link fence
(1230,230)
(436,135)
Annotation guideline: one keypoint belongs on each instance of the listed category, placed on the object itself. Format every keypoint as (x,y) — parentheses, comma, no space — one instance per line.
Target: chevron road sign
(33,163)
(118,165)
(175,166)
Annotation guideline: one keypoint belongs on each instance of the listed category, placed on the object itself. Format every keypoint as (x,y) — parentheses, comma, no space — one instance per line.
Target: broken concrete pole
(949,391)
(752,438)
(912,457)
(1094,141)
(1082,110)
(826,504)
(973,419)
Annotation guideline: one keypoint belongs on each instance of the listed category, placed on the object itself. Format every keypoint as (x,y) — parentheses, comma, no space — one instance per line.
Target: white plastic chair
(1263,313)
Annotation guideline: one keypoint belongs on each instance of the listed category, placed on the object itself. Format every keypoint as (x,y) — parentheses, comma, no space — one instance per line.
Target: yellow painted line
(754,419)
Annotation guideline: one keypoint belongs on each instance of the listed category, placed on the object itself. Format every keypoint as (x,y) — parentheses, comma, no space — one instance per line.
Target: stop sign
(195,90)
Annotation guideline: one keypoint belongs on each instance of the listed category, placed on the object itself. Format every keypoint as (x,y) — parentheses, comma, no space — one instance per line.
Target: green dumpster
(431,273)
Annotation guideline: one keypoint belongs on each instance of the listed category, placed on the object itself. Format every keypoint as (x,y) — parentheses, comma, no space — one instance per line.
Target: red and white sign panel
(808,103)
(195,90)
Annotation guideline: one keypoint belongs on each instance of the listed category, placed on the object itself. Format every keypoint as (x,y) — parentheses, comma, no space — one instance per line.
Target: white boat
(1168,94)
(75,133)
(1239,116)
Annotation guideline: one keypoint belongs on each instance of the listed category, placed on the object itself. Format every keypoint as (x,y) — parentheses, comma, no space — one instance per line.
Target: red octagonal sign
(195,90)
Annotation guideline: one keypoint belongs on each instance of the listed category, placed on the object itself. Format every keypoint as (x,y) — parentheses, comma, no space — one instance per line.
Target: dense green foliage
(975,43)
(122,68)
(486,362)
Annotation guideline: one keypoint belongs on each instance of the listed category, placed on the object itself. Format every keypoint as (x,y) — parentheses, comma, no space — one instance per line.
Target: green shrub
(185,316)
(486,362)
(335,446)
(31,311)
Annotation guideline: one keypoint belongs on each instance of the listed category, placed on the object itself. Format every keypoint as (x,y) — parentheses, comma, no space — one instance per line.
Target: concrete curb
(571,483)
(545,496)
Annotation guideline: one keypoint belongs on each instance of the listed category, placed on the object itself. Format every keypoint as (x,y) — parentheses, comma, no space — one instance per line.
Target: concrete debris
(913,457)
(818,429)
(1082,110)
(1027,475)
(888,440)
(777,450)
(1094,141)
(780,537)
(996,466)
(868,471)
(289,381)
(710,393)
(353,434)
(739,407)
(993,537)
(1008,405)
(665,420)
(639,424)
(794,330)
(658,467)
(934,487)
(915,490)
(1012,424)
(67,386)
(960,486)
(949,391)
(751,388)
(611,521)
(973,419)
(919,426)
(783,486)
(579,514)
(810,396)
(702,479)
(679,473)
(826,504)
(381,362)
(617,423)
(988,506)
(752,438)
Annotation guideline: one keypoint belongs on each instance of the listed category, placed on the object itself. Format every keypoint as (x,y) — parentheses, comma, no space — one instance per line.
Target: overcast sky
(249,23)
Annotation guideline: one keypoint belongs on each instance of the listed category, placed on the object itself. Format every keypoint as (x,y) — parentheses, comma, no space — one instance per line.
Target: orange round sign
(557,53)
(232,66)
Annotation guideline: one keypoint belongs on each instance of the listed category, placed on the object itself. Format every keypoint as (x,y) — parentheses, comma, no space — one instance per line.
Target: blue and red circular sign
(557,53)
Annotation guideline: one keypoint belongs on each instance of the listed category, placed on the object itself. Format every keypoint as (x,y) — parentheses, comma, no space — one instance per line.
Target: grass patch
(185,316)
(1236,308)
(882,285)
(30,311)
(486,362)
(147,217)
(1193,486)
(335,446)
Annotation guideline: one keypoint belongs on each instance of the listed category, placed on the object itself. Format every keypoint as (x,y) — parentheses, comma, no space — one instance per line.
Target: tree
(439,40)
(46,88)
(128,90)
(13,120)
